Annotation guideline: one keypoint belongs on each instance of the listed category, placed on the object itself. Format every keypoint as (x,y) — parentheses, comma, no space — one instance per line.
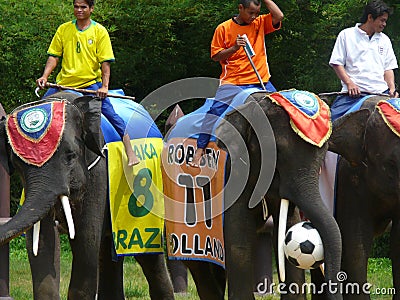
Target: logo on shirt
(380,50)
(90,41)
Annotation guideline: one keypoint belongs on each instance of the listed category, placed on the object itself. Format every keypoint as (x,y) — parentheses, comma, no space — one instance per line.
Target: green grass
(135,283)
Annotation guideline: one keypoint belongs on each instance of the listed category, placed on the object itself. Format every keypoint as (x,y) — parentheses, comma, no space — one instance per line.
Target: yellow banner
(194,202)
(136,197)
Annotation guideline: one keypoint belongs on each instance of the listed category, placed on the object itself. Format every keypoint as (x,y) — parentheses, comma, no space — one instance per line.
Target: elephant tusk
(36,231)
(68,216)
(281,237)
(322,268)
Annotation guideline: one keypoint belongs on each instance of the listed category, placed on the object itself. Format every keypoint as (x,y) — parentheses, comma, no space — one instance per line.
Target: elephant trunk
(319,215)
(26,217)
(35,207)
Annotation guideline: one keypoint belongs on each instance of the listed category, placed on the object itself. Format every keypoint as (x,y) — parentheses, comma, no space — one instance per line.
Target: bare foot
(195,163)
(132,160)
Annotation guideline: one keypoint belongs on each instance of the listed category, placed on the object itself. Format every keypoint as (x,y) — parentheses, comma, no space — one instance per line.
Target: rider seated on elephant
(363,59)
(237,72)
(85,48)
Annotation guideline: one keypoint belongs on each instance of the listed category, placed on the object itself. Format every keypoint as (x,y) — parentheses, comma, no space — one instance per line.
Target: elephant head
(64,173)
(290,176)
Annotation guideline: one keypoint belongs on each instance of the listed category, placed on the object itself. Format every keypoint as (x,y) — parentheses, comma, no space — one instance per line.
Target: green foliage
(157,42)
(23,44)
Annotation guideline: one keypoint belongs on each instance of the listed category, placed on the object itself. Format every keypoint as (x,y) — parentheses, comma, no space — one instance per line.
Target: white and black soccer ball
(303,246)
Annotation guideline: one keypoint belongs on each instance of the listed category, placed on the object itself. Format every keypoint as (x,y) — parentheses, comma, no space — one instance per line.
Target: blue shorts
(344,103)
(223,98)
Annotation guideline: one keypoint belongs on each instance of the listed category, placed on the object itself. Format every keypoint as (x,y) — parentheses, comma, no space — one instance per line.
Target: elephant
(61,187)
(367,190)
(295,178)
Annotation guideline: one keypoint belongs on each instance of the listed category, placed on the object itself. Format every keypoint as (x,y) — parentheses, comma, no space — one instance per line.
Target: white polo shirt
(365,60)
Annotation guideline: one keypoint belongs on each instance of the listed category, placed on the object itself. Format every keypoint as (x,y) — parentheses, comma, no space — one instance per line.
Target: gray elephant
(59,188)
(367,192)
(295,178)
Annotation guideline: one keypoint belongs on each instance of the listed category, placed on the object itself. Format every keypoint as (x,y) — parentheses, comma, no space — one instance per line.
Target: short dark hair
(89,2)
(246,3)
(376,8)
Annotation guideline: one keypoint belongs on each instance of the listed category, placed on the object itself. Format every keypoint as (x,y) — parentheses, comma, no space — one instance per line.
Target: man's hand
(393,94)
(353,89)
(240,42)
(102,92)
(41,82)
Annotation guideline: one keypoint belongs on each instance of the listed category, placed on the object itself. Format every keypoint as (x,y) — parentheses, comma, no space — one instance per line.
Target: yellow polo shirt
(82,53)
(237,68)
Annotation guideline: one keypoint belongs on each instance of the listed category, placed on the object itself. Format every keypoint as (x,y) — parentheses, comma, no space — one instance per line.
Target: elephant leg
(356,247)
(240,230)
(318,279)
(395,250)
(111,284)
(178,272)
(209,279)
(45,267)
(85,261)
(155,269)
(86,247)
(357,236)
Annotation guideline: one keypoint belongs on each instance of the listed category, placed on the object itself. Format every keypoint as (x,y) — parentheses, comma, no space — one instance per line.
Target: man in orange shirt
(237,72)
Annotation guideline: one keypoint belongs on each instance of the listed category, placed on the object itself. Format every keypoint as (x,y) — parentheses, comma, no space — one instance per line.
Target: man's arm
(276,13)
(105,78)
(352,88)
(226,53)
(389,78)
(51,63)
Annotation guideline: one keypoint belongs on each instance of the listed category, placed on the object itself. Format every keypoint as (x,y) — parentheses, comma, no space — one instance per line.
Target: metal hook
(36,92)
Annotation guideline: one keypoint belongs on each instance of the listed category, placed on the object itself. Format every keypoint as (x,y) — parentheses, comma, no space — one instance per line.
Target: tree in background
(157,42)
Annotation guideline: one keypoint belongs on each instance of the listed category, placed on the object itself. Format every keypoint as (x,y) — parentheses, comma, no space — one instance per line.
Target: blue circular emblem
(305,100)
(33,120)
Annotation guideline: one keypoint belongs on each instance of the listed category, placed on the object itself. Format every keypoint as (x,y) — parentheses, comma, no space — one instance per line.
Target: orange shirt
(237,68)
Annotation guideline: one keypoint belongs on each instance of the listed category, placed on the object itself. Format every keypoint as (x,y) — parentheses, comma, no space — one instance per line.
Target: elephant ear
(91,108)
(4,154)
(347,137)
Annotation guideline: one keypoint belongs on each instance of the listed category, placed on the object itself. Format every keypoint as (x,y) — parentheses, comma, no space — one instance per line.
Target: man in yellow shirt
(237,72)
(86,52)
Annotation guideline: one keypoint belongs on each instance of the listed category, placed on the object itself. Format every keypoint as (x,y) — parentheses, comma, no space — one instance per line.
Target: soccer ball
(303,246)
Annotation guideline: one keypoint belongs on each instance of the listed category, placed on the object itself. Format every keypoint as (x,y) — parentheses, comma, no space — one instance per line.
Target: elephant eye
(70,157)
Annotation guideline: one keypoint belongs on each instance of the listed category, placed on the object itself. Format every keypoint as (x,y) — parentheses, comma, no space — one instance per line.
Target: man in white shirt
(363,59)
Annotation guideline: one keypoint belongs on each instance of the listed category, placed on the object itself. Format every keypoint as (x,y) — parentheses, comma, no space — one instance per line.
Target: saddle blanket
(135,193)
(309,115)
(194,202)
(35,131)
(390,111)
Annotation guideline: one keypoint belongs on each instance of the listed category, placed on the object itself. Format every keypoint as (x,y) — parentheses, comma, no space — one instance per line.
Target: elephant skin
(66,173)
(367,191)
(295,178)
